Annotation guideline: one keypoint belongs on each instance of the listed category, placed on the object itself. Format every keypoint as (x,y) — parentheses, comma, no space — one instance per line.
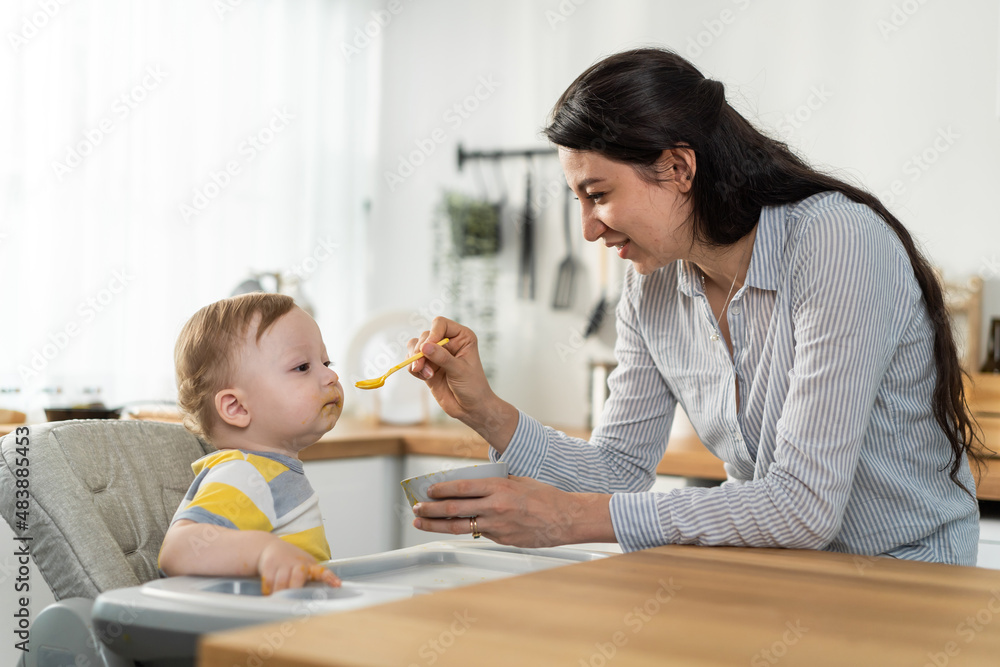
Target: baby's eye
(328,363)
(302,367)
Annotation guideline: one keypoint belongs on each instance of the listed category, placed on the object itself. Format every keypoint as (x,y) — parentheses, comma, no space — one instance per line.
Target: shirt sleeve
(629,442)
(233,495)
(853,292)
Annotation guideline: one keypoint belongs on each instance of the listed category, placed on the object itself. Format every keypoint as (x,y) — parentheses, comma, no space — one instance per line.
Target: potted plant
(475,225)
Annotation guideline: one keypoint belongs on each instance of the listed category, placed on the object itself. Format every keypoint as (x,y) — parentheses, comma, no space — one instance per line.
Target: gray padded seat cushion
(102,495)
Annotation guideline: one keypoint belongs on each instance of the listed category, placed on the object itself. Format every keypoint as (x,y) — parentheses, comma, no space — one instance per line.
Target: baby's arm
(207,549)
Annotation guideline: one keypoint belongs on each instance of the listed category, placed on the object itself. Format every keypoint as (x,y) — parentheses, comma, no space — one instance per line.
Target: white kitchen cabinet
(359,500)
(989,555)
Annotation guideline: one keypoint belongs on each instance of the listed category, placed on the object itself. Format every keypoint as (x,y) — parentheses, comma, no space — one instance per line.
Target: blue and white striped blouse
(834,445)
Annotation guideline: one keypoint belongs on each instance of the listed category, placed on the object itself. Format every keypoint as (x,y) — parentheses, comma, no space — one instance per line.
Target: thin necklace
(718,328)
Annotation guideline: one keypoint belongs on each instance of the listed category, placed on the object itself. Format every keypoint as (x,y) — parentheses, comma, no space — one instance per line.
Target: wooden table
(668,605)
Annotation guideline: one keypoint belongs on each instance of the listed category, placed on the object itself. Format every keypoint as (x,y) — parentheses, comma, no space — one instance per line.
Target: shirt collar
(289,462)
(688,278)
(765,261)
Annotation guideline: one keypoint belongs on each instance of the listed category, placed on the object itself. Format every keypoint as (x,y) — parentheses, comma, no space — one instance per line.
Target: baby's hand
(283,565)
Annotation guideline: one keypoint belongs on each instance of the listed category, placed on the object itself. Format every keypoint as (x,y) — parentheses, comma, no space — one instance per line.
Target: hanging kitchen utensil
(597,315)
(563,296)
(526,278)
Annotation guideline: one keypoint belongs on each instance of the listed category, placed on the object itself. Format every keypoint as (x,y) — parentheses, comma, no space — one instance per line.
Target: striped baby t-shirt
(256,491)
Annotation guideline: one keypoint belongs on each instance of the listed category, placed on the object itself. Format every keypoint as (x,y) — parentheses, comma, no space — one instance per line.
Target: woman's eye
(594,196)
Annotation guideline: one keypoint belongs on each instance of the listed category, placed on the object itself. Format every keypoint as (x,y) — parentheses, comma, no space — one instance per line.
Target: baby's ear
(229,405)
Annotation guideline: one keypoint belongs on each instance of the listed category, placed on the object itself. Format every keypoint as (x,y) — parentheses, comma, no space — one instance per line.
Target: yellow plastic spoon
(375,383)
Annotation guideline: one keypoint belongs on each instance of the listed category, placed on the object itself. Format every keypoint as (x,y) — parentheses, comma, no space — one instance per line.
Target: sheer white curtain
(152,155)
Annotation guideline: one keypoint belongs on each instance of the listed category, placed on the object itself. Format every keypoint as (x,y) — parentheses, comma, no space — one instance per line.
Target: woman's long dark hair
(632,106)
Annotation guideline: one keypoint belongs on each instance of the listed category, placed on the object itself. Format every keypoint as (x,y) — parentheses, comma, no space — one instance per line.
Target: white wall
(892,81)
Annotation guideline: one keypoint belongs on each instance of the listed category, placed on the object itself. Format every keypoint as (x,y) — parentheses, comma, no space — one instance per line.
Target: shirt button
(735,309)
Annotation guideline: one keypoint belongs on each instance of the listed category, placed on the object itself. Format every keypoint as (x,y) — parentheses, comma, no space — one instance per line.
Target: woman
(789,313)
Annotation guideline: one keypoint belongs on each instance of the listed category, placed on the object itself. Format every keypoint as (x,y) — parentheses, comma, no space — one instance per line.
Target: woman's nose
(593,228)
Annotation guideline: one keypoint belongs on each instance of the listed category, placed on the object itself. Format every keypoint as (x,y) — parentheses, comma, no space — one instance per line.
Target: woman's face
(647,222)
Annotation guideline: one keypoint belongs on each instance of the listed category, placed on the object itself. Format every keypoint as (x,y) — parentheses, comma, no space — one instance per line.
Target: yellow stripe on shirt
(229,502)
(312,541)
(268,468)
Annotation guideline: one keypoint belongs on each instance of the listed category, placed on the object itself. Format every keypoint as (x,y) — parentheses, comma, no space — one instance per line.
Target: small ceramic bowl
(415,488)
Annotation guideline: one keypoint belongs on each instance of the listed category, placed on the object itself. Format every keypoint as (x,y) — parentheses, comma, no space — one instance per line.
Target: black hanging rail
(464,155)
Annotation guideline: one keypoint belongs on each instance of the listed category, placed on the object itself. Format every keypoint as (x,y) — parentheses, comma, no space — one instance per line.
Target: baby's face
(292,395)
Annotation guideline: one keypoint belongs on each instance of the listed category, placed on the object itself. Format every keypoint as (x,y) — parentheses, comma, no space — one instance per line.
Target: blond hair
(207,351)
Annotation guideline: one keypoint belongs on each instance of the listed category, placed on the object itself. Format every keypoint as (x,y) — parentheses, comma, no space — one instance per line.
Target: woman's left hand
(518,511)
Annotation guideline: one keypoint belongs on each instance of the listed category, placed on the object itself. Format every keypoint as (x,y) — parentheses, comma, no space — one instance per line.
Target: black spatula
(565,276)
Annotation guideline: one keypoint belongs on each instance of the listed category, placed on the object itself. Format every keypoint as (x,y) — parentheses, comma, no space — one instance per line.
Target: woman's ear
(682,163)
(229,405)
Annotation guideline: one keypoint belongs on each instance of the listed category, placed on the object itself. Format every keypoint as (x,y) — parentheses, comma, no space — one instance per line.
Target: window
(155,154)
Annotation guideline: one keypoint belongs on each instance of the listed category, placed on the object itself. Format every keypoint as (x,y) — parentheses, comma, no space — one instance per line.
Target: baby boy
(253,379)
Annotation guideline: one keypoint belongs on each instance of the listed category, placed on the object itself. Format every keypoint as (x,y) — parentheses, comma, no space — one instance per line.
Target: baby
(253,379)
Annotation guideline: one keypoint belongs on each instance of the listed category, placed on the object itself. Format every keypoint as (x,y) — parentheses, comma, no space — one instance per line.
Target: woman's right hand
(454,373)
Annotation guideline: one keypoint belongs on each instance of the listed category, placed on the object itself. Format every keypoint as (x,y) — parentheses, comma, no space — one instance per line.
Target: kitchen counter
(667,605)
(685,455)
